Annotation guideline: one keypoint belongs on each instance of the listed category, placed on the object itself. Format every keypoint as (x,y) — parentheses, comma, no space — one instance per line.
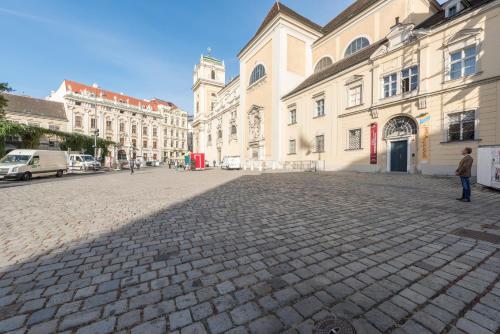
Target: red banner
(373,144)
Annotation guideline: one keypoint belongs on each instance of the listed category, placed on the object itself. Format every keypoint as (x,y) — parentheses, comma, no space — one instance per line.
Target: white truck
(231,162)
(83,162)
(25,164)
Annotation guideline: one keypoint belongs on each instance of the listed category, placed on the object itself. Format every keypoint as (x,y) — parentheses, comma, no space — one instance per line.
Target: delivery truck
(25,164)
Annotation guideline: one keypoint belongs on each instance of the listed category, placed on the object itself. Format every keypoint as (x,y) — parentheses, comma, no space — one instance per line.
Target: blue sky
(141,48)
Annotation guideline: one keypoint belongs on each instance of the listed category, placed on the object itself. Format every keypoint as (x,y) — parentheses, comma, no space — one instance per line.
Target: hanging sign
(373,143)
(425,134)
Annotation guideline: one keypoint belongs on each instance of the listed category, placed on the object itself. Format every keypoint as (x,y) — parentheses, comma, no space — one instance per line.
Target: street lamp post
(96,134)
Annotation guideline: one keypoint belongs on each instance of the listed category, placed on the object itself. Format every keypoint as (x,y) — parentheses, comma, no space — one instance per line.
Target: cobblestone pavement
(234,252)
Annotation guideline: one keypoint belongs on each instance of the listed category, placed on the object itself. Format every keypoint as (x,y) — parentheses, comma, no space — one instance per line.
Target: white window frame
(292,120)
(345,55)
(446,124)
(390,84)
(290,151)
(316,143)
(264,75)
(348,141)
(410,77)
(316,100)
(350,90)
(316,69)
(462,60)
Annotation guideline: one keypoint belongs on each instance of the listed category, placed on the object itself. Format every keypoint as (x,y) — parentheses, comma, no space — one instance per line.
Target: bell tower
(209,77)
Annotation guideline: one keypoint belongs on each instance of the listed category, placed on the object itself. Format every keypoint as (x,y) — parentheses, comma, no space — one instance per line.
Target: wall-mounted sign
(373,143)
(424,142)
(425,119)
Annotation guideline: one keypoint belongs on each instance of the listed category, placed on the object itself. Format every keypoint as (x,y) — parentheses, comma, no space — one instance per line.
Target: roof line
(275,10)
(336,68)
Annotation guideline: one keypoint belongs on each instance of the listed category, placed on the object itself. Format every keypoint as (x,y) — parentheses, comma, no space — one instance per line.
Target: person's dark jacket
(465,166)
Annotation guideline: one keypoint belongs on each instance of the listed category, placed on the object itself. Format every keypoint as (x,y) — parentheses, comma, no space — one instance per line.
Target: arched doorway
(399,133)
(122,155)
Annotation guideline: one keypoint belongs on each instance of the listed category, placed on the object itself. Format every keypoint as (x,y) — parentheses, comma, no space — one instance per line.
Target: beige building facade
(153,130)
(386,86)
(35,112)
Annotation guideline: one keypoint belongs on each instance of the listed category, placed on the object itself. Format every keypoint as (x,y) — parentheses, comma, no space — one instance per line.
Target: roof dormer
(453,7)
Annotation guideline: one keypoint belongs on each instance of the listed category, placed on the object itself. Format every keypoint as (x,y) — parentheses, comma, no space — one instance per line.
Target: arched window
(400,126)
(258,72)
(212,75)
(356,45)
(322,64)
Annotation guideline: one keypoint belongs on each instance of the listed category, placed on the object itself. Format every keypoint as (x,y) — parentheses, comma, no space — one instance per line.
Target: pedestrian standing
(464,171)
(132,164)
(214,163)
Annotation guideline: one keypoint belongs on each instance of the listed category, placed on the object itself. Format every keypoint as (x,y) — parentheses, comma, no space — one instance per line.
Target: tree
(4,87)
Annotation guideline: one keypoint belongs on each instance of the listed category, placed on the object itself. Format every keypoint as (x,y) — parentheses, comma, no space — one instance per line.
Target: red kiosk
(199,160)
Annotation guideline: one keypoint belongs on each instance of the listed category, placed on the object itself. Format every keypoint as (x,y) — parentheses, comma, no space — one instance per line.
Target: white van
(233,162)
(25,164)
(83,162)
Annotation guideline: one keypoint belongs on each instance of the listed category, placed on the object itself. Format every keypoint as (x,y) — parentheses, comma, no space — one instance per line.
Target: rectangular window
(134,142)
(292,146)
(144,143)
(320,108)
(109,124)
(390,85)
(409,79)
(461,126)
(78,121)
(355,96)
(78,103)
(122,127)
(93,123)
(122,141)
(320,143)
(134,129)
(155,132)
(154,145)
(452,11)
(292,116)
(354,140)
(145,131)
(463,63)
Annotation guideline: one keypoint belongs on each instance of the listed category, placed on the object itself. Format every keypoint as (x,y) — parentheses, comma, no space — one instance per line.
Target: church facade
(385,86)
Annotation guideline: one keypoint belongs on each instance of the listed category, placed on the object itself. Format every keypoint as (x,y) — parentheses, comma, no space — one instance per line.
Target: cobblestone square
(242,252)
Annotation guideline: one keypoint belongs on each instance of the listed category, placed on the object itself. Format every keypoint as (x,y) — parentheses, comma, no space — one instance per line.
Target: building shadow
(271,240)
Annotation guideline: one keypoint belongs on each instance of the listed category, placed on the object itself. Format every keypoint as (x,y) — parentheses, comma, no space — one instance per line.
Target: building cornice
(208,82)
(119,105)
(423,95)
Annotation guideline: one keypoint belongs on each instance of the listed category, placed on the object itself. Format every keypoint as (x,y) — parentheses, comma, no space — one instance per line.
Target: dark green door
(399,156)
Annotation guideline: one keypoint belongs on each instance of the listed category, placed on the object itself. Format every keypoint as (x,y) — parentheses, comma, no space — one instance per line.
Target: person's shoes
(465,200)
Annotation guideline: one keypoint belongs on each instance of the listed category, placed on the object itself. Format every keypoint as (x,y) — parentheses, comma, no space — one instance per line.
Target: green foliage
(4,87)
(30,136)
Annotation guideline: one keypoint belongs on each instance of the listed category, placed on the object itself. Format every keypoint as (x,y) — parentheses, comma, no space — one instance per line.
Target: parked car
(83,162)
(25,164)
(231,162)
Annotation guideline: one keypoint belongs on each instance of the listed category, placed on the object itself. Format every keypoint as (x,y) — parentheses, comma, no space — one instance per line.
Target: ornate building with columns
(155,130)
(385,86)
